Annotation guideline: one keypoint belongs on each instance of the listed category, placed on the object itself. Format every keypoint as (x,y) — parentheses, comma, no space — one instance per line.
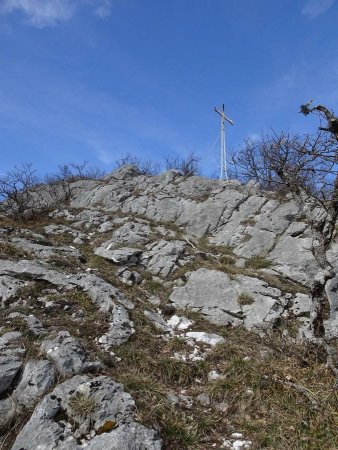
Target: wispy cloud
(45,13)
(104,9)
(41,13)
(314,8)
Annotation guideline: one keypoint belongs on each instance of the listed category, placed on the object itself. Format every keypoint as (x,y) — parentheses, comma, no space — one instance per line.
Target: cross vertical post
(224,168)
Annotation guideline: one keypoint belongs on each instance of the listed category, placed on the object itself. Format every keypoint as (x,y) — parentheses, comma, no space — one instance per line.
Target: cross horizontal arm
(221,113)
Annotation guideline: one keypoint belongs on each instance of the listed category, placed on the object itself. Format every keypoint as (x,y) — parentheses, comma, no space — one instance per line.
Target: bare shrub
(306,167)
(188,165)
(18,190)
(25,195)
(58,185)
(145,167)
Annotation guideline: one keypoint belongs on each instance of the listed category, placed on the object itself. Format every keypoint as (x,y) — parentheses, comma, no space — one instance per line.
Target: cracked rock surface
(131,318)
(61,420)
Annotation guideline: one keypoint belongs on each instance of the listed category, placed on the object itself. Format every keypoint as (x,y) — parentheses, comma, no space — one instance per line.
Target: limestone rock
(11,358)
(42,251)
(120,329)
(162,257)
(218,298)
(68,355)
(128,436)
(125,255)
(9,286)
(131,233)
(64,230)
(37,379)
(105,296)
(7,412)
(179,323)
(206,338)
(109,412)
(158,321)
(128,276)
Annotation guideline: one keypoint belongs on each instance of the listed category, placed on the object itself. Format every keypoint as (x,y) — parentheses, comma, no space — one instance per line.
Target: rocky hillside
(162,312)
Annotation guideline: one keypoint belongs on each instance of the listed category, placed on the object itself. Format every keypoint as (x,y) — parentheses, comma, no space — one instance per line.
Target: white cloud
(314,8)
(44,13)
(103,10)
(41,13)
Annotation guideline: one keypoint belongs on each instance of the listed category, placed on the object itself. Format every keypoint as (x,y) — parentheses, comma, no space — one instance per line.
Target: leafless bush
(59,184)
(74,172)
(307,167)
(145,167)
(188,165)
(18,189)
(25,195)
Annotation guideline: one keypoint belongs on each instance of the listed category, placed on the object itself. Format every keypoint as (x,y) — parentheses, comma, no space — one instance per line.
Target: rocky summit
(163,312)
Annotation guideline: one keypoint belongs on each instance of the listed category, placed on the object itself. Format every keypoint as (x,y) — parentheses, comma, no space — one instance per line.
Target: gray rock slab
(157,320)
(7,412)
(105,296)
(132,233)
(9,286)
(216,295)
(125,255)
(105,227)
(120,328)
(37,379)
(69,355)
(301,305)
(11,358)
(258,244)
(162,257)
(126,437)
(64,229)
(129,277)
(292,257)
(233,226)
(110,408)
(44,251)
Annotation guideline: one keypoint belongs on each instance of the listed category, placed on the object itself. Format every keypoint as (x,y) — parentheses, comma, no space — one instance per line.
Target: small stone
(206,338)
(179,323)
(214,375)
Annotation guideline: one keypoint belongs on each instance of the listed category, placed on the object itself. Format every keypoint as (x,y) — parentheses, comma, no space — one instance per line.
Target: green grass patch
(257,262)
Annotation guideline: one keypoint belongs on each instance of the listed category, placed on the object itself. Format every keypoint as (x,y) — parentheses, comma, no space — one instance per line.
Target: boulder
(98,410)
(37,379)
(68,355)
(131,233)
(218,297)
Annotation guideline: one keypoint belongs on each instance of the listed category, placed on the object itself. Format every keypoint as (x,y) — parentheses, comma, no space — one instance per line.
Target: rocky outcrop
(231,214)
(105,296)
(230,301)
(95,412)
(167,261)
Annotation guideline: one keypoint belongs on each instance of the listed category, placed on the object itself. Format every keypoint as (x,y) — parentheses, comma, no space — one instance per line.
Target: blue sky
(94,79)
